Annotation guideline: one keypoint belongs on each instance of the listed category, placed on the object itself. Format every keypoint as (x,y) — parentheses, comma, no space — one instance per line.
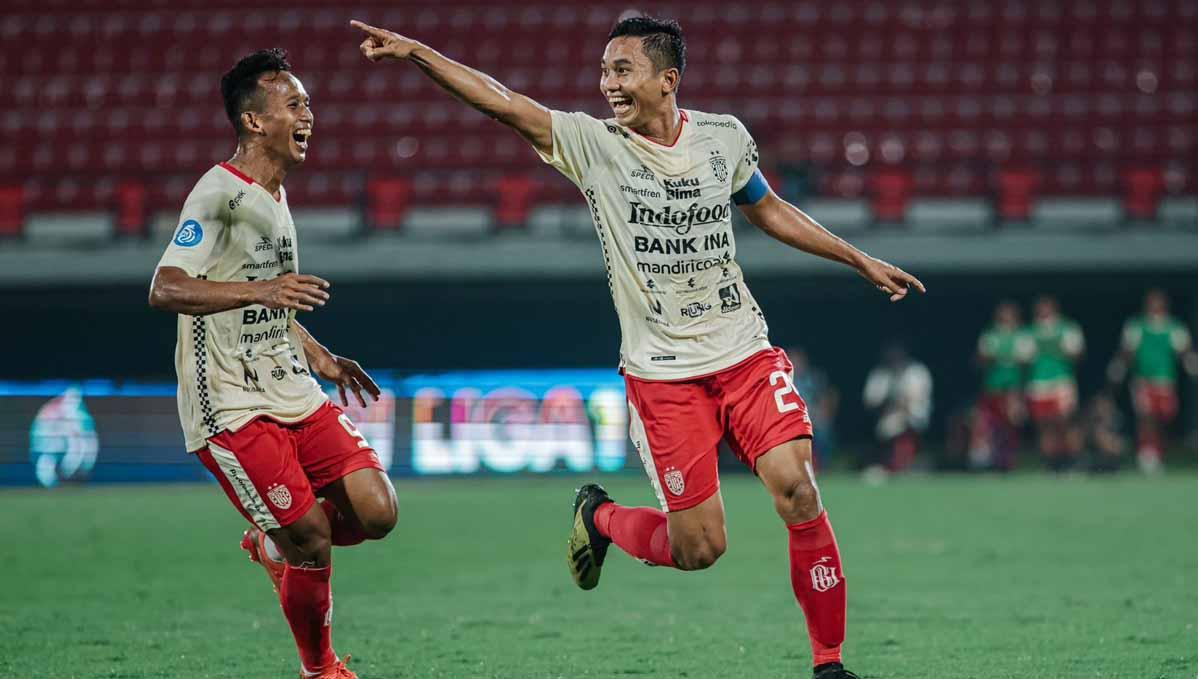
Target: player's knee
(798,501)
(312,543)
(379,524)
(699,555)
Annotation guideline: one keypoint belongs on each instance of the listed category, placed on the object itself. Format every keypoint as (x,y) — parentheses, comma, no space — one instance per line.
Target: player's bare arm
(176,292)
(527,117)
(344,372)
(792,226)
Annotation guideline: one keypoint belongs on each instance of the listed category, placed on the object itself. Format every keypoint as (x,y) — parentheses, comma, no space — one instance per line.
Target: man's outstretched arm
(792,226)
(478,89)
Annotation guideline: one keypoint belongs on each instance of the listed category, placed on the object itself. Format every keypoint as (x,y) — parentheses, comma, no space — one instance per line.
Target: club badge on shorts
(280,496)
(824,578)
(674,481)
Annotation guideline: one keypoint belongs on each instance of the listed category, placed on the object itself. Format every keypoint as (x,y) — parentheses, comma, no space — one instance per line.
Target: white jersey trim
(636,431)
(247,494)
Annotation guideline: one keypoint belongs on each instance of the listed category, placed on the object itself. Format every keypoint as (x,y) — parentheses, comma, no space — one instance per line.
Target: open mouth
(621,106)
(301,138)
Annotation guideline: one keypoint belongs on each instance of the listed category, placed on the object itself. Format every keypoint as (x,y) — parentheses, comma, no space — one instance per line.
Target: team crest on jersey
(280,496)
(190,234)
(824,578)
(719,166)
(674,481)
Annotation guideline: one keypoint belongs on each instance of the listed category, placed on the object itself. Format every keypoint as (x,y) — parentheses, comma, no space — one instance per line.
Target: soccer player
(250,408)
(659,182)
(1152,344)
(1051,385)
(1003,350)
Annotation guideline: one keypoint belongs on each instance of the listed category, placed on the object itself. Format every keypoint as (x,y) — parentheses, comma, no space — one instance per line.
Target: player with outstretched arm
(250,409)
(659,182)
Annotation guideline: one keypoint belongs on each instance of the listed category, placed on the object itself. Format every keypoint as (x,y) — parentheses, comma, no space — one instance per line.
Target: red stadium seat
(12,210)
(389,201)
(1143,187)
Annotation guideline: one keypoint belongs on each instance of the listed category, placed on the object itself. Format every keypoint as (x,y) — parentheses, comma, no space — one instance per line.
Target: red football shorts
(1052,403)
(272,471)
(1155,400)
(677,426)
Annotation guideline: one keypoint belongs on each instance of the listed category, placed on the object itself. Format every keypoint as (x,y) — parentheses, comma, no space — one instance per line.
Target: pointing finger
(376,32)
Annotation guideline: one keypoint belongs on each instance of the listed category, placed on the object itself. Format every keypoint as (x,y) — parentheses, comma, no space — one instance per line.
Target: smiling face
(284,122)
(634,88)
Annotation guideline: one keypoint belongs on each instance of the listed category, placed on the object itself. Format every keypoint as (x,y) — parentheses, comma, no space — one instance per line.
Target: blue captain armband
(753,190)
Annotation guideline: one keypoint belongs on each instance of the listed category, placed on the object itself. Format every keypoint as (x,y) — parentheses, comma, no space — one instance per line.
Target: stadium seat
(12,207)
(1077,214)
(327,224)
(839,215)
(69,228)
(443,223)
(1180,212)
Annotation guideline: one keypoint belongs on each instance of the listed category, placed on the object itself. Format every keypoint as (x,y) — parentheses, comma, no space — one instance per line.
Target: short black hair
(239,86)
(661,38)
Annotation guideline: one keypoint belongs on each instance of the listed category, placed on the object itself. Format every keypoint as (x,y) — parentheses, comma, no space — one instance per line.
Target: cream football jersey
(239,364)
(664,219)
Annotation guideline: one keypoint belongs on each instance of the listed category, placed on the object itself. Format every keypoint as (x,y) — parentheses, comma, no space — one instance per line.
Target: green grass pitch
(949,578)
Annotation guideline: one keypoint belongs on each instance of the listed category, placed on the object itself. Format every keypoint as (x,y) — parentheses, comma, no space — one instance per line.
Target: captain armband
(754,190)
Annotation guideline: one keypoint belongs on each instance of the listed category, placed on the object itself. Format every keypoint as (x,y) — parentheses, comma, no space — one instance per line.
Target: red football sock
(308,606)
(640,531)
(818,582)
(346,531)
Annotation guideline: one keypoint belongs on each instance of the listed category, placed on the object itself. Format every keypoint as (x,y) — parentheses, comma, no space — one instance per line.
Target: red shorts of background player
(272,471)
(1052,402)
(1155,399)
(676,426)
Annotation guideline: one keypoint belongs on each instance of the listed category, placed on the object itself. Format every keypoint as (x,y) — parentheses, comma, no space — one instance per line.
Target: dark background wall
(410,326)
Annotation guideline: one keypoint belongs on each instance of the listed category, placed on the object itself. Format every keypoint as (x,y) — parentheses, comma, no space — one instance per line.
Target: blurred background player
(899,392)
(1051,386)
(823,402)
(250,409)
(698,366)
(1152,344)
(1003,351)
(1105,433)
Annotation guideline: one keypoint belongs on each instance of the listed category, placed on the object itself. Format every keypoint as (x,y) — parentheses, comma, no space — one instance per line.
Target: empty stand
(886,102)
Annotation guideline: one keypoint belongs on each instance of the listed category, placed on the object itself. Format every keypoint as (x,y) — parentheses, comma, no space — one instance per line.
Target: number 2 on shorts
(353,431)
(788,387)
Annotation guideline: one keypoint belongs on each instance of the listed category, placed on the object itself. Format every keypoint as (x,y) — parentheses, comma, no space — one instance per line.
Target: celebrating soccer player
(1152,344)
(659,182)
(1003,349)
(1051,384)
(250,409)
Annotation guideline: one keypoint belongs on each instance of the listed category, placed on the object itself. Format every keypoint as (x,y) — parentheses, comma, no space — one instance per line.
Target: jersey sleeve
(747,158)
(1073,342)
(1131,336)
(575,144)
(201,227)
(1180,338)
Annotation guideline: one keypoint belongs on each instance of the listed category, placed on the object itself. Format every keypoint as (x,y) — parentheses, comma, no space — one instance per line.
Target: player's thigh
(368,497)
(675,429)
(763,408)
(258,469)
(330,447)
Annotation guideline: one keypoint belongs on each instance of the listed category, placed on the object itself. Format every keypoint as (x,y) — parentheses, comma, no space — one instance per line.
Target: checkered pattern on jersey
(199,337)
